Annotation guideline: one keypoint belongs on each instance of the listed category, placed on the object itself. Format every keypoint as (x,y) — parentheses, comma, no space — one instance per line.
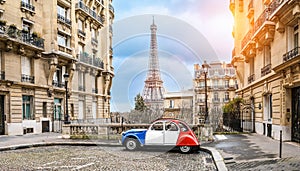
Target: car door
(155,134)
(171,133)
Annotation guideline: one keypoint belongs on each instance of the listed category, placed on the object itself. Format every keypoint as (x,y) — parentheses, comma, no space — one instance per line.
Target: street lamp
(205,67)
(67,118)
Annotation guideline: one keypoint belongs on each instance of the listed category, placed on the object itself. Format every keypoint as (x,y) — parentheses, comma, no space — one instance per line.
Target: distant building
(179,105)
(266,55)
(40,41)
(221,87)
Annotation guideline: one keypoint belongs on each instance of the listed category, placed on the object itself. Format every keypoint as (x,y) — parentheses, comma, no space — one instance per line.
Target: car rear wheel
(185,149)
(131,144)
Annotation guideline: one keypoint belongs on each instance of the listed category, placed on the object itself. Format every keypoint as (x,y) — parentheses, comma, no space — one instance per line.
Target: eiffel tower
(153,90)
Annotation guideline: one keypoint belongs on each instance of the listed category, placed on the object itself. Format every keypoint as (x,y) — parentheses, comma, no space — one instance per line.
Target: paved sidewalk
(256,152)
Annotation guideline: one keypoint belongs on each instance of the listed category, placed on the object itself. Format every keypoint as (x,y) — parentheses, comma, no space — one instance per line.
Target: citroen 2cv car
(163,132)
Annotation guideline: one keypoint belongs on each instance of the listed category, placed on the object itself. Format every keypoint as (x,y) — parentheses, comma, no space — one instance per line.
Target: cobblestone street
(101,158)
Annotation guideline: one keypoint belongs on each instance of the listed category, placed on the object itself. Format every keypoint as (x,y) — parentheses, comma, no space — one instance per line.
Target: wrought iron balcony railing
(88,11)
(111,8)
(2,75)
(27,6)
(291,54)
(81,33)
(81,88)
(64,19)
(94,90)
(251,78)
(13,32)
(27,78)
(58,84)
(266,70)
(85,58)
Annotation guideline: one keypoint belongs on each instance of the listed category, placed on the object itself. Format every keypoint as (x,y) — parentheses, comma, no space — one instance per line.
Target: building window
(63,40)
(27,107)
(58,79)
(226,83)
(26,70)
(94,109)
(268,112)
(171,104)
(45,109)
(63,15)
(226,97)
(57,109)
(26,32)
(81,81)
(216,96)
(296,36)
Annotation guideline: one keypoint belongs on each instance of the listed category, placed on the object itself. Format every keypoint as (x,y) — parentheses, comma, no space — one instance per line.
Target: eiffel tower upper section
(153,89)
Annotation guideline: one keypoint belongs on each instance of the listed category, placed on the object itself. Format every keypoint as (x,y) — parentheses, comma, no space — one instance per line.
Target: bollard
(280,144)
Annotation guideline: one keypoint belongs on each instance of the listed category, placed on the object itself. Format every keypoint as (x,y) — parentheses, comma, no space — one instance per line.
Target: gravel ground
(101,158)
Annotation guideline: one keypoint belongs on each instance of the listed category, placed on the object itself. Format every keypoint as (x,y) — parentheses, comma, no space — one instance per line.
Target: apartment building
(266,57)
(179,105)
(221,86)
(41,41)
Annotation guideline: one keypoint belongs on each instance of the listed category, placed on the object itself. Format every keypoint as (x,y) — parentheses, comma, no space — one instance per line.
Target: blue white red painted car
(164,132)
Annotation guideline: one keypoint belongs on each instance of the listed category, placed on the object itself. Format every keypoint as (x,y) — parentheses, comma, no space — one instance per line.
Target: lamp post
(205,67)
(67,118)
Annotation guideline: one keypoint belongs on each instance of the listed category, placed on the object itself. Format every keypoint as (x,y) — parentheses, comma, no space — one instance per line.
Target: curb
(218,159)
(41,144)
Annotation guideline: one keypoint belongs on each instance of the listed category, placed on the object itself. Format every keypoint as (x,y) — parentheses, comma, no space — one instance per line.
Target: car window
(171,126)
(183,127)
(158,126)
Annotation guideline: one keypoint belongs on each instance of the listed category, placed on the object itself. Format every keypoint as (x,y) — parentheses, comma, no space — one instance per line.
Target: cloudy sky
(189,32)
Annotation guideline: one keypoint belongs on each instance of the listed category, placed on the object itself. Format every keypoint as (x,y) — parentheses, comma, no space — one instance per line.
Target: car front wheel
(131,144)
(185,149)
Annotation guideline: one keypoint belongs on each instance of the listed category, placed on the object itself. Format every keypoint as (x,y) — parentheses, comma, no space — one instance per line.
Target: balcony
(27,78)
(81,33)
(291,54)
(226,100)
(216,100)
(13,33)
(274,5)
(266,70)
(85,58)
(94,41)
(94,90)
(251,78)
(111,8)
(58,84)
(87,12)
(64,20)
(81,88)
(2,75)
(27,7)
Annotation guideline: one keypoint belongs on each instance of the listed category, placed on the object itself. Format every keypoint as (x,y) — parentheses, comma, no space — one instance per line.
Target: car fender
(187,140)
(139,137)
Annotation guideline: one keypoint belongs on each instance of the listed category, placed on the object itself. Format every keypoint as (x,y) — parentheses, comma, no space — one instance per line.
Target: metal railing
(291,54)
(64,19)
(80,32)
(13,32)
(266,70)
(27,6)
(87,10)
(27,78)
(2,75)
(58,84)
(85,58)
(251,78)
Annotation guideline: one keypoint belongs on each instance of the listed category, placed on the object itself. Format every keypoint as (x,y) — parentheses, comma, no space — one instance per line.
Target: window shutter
(26,67)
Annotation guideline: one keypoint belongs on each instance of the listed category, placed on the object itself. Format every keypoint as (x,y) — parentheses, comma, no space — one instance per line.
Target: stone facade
(266,57)
(179,105)
(221,87)
(40,41)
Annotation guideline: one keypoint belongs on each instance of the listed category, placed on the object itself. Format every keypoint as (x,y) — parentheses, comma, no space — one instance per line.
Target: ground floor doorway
(296,114)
